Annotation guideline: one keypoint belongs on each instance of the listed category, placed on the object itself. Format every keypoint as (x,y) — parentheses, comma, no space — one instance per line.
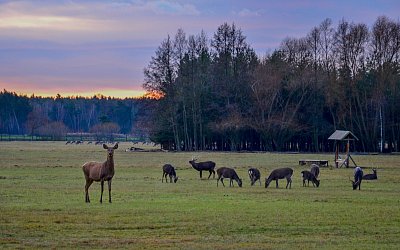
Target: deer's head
(110,150)
(194,159)
(355,184)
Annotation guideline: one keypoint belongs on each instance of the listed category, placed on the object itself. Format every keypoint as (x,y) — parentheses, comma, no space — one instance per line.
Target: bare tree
(35,120)
(384,58)
(105,130)
(160,76)
(56,130)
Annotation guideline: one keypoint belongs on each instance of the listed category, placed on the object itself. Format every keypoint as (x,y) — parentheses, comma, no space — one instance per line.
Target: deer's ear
(116,145)
(105,146)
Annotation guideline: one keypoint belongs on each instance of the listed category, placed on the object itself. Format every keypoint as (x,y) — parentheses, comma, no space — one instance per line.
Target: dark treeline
(217,94)
(55,117)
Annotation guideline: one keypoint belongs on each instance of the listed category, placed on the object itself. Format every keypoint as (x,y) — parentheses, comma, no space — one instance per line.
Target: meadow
(42,202)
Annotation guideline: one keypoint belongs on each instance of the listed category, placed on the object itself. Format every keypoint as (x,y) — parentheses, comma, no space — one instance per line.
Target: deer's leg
(276,183)
(109,190)
(201,174)
(213,174)
(289,183)
(210,173)
(222,180)
(162,178)
(88,183)
(102,189)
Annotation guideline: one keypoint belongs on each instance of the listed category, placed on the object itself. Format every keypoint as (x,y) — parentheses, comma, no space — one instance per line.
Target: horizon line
(116,94)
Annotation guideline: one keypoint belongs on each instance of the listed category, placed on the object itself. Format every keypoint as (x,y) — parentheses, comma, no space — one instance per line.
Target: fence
(75,137)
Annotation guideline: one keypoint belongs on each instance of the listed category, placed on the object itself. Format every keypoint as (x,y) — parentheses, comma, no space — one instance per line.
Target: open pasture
(42,203)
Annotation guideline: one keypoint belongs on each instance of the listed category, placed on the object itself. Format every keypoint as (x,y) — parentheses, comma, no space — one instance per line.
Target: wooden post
(337,154)
(347,153)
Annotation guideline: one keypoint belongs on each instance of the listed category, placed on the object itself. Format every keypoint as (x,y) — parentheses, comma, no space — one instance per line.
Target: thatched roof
(340,135)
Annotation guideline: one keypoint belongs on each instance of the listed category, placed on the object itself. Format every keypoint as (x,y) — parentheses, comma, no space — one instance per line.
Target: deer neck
(196,166)
(110,162)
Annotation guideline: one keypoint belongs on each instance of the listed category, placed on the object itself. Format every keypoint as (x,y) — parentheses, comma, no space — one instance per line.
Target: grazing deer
(315,170)
(254,175)
(203,166)
(228,173)
(100,171)
(358,176)
(169,170)
(308,176)
(372,176)
(280,173)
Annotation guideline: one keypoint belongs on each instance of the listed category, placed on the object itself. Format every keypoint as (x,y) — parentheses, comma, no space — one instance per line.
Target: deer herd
(104,171)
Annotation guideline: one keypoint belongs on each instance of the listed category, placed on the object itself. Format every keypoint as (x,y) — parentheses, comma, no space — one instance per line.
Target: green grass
(42,202)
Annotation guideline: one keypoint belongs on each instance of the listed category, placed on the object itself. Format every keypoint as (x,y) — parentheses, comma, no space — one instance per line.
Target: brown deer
(280,173)
(372,176)
(203,166)
(315,170)
(254,175)
(358,176)
(169,170)
(228,173)
(100,171)
(308,176)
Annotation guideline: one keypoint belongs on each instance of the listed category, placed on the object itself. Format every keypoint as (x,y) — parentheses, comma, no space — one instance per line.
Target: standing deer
(228,173)
(206,166)
(280,173)
(100,171)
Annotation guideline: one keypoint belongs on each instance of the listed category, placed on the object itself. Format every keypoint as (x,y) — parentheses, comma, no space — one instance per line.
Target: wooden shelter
(339,136)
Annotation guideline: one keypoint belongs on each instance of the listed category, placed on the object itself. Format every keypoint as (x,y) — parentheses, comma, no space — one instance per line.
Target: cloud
(91,21)
(171,8)
(46,22)
(248,13)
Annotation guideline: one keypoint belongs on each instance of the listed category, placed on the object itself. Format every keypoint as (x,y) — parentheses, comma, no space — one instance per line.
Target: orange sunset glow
(117,93)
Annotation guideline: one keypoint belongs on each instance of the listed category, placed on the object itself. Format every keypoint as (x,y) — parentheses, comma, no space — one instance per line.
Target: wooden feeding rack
(323,163)
(346,136)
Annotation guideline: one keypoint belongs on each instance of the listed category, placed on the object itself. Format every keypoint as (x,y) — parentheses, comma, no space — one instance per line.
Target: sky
(71,47)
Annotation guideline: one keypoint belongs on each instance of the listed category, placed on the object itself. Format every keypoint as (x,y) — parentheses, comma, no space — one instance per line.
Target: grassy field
(42,202)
